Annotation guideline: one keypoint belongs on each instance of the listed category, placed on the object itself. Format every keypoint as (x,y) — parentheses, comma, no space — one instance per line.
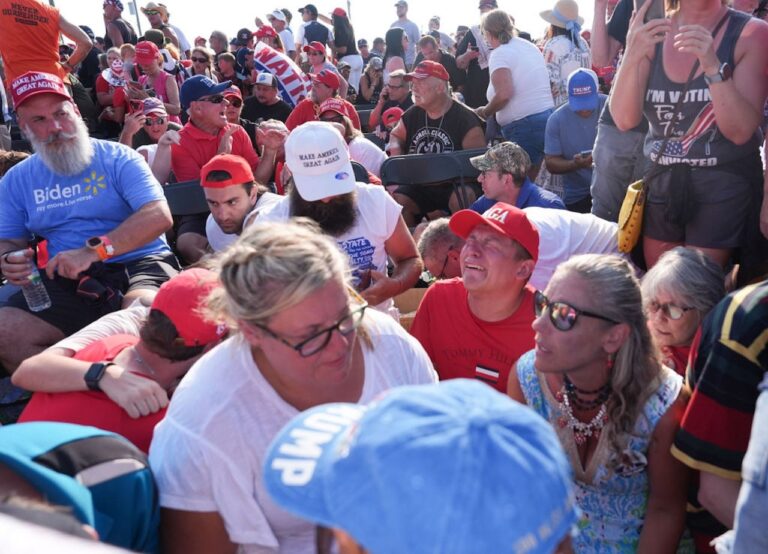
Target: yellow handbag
(631,216)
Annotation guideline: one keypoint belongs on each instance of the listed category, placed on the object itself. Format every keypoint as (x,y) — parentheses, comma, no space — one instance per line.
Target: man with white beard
(94,201)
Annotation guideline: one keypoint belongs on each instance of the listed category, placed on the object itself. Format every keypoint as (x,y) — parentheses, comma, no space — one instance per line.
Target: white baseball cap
(318,158)
(277,14)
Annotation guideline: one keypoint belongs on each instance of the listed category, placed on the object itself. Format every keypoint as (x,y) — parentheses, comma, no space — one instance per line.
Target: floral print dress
(611,491)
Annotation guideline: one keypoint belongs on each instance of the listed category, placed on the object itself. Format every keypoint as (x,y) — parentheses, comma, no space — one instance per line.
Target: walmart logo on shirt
(58,196)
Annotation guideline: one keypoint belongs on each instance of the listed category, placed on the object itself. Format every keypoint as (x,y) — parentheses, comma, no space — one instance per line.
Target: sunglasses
(151,12)
(215,99)
(149,122)
(670,310)
(563,316)
(199,60)
(235,101)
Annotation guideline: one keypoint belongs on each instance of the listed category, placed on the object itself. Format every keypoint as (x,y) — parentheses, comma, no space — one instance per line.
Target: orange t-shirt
(29,38)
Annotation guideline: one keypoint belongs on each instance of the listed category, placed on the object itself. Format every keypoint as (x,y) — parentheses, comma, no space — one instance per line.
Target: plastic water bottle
(34,291)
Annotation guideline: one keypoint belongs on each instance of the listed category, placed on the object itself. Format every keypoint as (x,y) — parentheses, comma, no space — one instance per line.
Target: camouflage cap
(508,157)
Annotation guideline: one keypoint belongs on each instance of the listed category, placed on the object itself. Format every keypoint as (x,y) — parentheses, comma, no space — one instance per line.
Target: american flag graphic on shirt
(679,147)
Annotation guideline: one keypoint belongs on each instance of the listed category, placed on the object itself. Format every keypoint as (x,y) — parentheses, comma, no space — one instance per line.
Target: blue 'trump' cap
(453,467)
(582,90)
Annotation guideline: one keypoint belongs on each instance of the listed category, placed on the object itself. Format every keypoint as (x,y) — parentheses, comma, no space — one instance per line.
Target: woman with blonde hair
(594,375)
(519,94)
(304,338)
(202,60)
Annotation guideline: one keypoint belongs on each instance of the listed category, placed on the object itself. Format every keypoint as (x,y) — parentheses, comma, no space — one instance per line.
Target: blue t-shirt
(531,196)
(568,134)
(67,210)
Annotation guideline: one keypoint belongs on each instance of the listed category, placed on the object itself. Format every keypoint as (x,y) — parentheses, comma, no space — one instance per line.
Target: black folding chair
(375,139)
(433,169)
(361,174)
(186,198)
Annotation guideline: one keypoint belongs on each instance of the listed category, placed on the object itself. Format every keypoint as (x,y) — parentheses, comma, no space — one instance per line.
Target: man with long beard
(363,219)
(94,201)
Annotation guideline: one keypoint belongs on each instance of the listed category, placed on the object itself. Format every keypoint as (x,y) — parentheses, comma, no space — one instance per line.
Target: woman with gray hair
(304,338)
(594,375)
(678,292)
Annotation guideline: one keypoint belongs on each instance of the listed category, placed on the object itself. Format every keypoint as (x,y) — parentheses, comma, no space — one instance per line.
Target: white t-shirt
(530,80)
(366,153)
(219,240)
(563,234)
(207,453)
(377,218)
(286,35)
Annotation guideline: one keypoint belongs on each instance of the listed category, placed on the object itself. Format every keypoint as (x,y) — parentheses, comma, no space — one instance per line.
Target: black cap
(88,31)
(311,8)
(243,36)
(362,43)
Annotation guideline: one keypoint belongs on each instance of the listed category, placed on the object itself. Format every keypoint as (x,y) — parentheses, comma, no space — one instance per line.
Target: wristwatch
(95,373)
(102,246)
(723,74)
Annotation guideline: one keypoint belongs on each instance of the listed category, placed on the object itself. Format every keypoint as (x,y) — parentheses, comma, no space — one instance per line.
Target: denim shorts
(528,132)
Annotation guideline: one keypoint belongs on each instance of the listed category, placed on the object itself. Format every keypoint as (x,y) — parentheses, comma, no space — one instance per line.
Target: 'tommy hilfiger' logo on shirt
(486,374)
(60,196)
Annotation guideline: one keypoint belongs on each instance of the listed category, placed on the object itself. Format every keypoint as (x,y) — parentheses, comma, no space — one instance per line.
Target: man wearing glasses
(157,14)
(395,94)
(206,134)
(325,84)
(478,325)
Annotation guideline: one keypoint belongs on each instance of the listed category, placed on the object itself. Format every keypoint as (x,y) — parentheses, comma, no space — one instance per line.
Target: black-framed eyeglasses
(235,101)
(672,311)
(318,341)
(562,315)
(215,99)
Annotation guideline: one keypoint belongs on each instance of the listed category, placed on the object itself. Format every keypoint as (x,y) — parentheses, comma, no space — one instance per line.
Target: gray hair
(688,276)
(436,236)
(273,267)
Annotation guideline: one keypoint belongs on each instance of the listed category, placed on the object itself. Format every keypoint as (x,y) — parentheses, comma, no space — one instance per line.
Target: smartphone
(656,10)
(136,105)
(585,153)
(474,48)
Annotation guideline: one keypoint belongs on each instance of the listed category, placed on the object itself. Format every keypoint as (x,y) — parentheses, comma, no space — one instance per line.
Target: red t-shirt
(462,345)
(197,147)
(306,110)
(95,408)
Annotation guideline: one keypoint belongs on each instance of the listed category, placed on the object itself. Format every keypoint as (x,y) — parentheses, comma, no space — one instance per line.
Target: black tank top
(126,31)
(696,139)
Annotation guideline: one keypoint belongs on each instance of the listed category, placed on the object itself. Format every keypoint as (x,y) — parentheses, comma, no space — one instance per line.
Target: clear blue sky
(370,17)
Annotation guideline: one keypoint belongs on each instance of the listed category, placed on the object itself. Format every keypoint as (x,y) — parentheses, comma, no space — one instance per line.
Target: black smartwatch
(95,373)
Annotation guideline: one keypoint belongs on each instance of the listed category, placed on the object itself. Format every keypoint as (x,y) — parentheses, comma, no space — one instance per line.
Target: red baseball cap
(328,78)
(316,46)
(147,52)
(32,83)
(236,166)
(233,91)
(265,31)
(333,105)
(503,218)
(340,12)
(392,115)
(181,298)
(428,68)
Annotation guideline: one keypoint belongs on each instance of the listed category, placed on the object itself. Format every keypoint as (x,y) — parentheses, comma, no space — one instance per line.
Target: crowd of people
(238,376)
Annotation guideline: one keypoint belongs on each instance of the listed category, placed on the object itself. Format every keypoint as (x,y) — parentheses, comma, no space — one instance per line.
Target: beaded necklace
(569,393)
